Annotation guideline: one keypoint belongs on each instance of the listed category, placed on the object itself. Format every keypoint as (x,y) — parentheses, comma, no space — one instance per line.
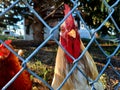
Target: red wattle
(72,46)
(1,54)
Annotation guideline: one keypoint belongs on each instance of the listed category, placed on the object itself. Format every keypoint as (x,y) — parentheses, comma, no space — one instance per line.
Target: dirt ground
(47,54)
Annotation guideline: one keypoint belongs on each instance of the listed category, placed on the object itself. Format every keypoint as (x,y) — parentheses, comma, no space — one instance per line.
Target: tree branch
(53,11)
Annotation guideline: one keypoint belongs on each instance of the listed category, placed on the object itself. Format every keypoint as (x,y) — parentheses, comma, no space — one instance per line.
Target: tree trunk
(37,28)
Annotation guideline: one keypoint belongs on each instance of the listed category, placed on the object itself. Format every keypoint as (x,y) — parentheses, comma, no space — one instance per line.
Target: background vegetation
(92,11)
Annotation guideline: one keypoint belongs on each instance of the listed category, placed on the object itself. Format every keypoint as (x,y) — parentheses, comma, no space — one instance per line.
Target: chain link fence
(111,10)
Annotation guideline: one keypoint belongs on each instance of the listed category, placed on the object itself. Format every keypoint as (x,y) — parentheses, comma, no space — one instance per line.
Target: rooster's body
(9,66)
(70,40)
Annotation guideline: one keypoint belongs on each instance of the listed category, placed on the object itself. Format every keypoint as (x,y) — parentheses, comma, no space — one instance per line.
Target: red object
(70,40)
(72,45)
(4,52)
(9,67)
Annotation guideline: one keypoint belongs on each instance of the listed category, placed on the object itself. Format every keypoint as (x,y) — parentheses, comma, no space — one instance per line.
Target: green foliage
(5,37)
(41,69)
(118,53)
(12,16)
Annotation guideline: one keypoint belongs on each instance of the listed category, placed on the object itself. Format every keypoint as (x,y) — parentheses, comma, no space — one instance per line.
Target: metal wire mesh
(93,39)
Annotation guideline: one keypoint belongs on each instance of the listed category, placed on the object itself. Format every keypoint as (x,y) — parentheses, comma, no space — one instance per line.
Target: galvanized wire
(93,39)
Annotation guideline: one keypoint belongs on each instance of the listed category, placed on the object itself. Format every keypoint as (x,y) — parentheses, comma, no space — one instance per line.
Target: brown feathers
(9,67)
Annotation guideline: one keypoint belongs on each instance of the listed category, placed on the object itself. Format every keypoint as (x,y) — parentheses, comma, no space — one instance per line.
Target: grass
(6,37)
(42,70)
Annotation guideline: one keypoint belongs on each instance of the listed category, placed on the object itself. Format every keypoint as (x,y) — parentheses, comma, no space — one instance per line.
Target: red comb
(67,9)
(1,54)
(6,42)
(70,20)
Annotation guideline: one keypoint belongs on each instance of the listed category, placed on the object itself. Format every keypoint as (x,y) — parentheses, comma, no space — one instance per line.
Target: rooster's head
(69,36)
(4,52)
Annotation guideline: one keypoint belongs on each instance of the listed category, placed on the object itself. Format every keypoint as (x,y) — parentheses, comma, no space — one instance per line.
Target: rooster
(71,42)
(9,66)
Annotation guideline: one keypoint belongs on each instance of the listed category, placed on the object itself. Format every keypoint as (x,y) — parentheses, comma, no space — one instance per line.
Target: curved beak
(72,33)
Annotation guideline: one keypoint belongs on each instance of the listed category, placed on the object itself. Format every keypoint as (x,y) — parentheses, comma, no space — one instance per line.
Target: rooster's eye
(62,30)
